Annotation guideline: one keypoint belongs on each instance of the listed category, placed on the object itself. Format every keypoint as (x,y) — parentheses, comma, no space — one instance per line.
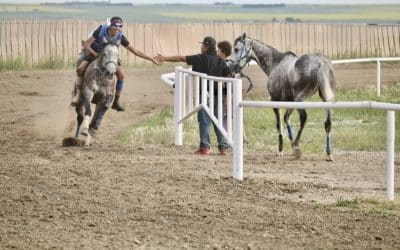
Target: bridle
(109,67)
(244,56)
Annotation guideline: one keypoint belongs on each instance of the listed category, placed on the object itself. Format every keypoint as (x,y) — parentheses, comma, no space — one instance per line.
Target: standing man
(210,63)
(104,34)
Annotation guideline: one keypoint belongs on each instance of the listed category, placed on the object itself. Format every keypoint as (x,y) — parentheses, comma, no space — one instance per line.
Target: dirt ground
(121,196)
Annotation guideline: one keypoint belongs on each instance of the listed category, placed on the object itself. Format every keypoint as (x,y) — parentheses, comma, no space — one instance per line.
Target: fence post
(190,94)
(178,107)
(378,78)
(390,155)
(229,112)
(237,171)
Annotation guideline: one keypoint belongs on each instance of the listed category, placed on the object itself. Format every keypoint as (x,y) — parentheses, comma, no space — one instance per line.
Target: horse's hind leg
(286,119)
(328,129)
(295,144)
(326,81)
(279,128)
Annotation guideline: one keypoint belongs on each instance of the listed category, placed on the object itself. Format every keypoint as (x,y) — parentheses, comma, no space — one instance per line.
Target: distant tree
(292,20)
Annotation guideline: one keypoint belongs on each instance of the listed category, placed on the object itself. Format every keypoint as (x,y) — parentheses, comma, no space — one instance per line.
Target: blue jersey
(102,38)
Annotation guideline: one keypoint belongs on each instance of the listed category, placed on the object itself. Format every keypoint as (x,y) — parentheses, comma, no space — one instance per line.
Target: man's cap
(116,21)
(209,42)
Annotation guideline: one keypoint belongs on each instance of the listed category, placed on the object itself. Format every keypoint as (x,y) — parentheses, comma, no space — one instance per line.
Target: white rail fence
(187,102)
(389,107)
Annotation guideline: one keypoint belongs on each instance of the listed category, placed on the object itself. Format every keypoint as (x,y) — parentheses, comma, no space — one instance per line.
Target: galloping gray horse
(290,78)
(98,87)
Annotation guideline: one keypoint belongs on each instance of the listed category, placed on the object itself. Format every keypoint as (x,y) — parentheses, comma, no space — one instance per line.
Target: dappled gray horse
(290,78)
(98,87)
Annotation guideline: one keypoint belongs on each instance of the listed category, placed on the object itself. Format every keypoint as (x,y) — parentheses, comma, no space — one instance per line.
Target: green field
(382,14)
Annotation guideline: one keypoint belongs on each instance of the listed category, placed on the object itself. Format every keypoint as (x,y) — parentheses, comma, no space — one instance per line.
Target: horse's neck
(267,56)
(97,61)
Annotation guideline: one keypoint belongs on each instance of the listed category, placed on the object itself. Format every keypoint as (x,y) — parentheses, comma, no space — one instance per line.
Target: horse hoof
(72,142)
(87,141)
(329,158)
(85,132)
(93,132)
(297,153)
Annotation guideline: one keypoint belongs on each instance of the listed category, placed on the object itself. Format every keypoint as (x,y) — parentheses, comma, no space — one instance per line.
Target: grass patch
(19,64)
(58,63)
(8,65)
(52,63)
(155,130)
(353,129)
(368,206)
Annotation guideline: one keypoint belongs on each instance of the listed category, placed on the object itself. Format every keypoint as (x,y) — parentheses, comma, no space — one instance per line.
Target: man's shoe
(203,151)
(223,151)
(117,107)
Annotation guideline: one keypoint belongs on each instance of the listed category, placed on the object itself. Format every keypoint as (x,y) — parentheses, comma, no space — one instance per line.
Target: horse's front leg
(97,118)
(295,144)
(279,128)
(87,95)
(328,129)
(79,119)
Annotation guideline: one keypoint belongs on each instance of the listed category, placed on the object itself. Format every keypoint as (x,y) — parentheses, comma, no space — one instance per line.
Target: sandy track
(151,196)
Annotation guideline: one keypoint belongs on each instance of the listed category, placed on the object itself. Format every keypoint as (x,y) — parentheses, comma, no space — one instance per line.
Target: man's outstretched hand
(160,58)
(156,60)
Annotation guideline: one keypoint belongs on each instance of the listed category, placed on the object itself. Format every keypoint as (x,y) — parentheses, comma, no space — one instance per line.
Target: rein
(246,54)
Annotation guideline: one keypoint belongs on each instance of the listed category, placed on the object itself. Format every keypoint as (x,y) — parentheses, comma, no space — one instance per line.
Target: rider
(104,34)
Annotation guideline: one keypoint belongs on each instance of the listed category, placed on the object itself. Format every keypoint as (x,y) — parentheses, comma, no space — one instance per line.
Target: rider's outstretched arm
(141,54)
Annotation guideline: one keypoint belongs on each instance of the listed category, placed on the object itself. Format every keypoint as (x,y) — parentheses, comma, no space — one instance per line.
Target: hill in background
(176,13)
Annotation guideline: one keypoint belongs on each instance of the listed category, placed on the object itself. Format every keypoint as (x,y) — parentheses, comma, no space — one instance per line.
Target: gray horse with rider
(105,34)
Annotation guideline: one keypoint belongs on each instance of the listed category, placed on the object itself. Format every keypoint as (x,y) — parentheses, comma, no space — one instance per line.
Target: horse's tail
(326,82)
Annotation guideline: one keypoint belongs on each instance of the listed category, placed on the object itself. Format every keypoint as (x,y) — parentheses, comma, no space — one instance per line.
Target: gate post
(178,106)
(237,161)
(390,155)
(378,78)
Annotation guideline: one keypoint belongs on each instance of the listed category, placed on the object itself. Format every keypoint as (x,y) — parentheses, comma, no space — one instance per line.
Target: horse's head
(242,54)
(109,59)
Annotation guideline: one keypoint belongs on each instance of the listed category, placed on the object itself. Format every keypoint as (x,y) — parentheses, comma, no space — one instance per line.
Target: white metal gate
(188,100)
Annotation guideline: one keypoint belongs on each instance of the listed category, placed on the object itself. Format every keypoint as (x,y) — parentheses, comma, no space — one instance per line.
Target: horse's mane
(266,45)
(278,56)
(287,53)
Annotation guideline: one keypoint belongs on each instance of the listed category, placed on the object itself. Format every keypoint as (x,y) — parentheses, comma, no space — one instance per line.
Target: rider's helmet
(116,21)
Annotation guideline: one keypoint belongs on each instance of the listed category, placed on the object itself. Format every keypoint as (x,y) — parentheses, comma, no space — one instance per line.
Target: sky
(233,1)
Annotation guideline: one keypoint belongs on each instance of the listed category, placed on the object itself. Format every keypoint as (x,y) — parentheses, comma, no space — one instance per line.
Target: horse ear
(244,35)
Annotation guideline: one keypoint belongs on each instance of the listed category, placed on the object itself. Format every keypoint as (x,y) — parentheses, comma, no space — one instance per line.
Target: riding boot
(116,104)
(76,93)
